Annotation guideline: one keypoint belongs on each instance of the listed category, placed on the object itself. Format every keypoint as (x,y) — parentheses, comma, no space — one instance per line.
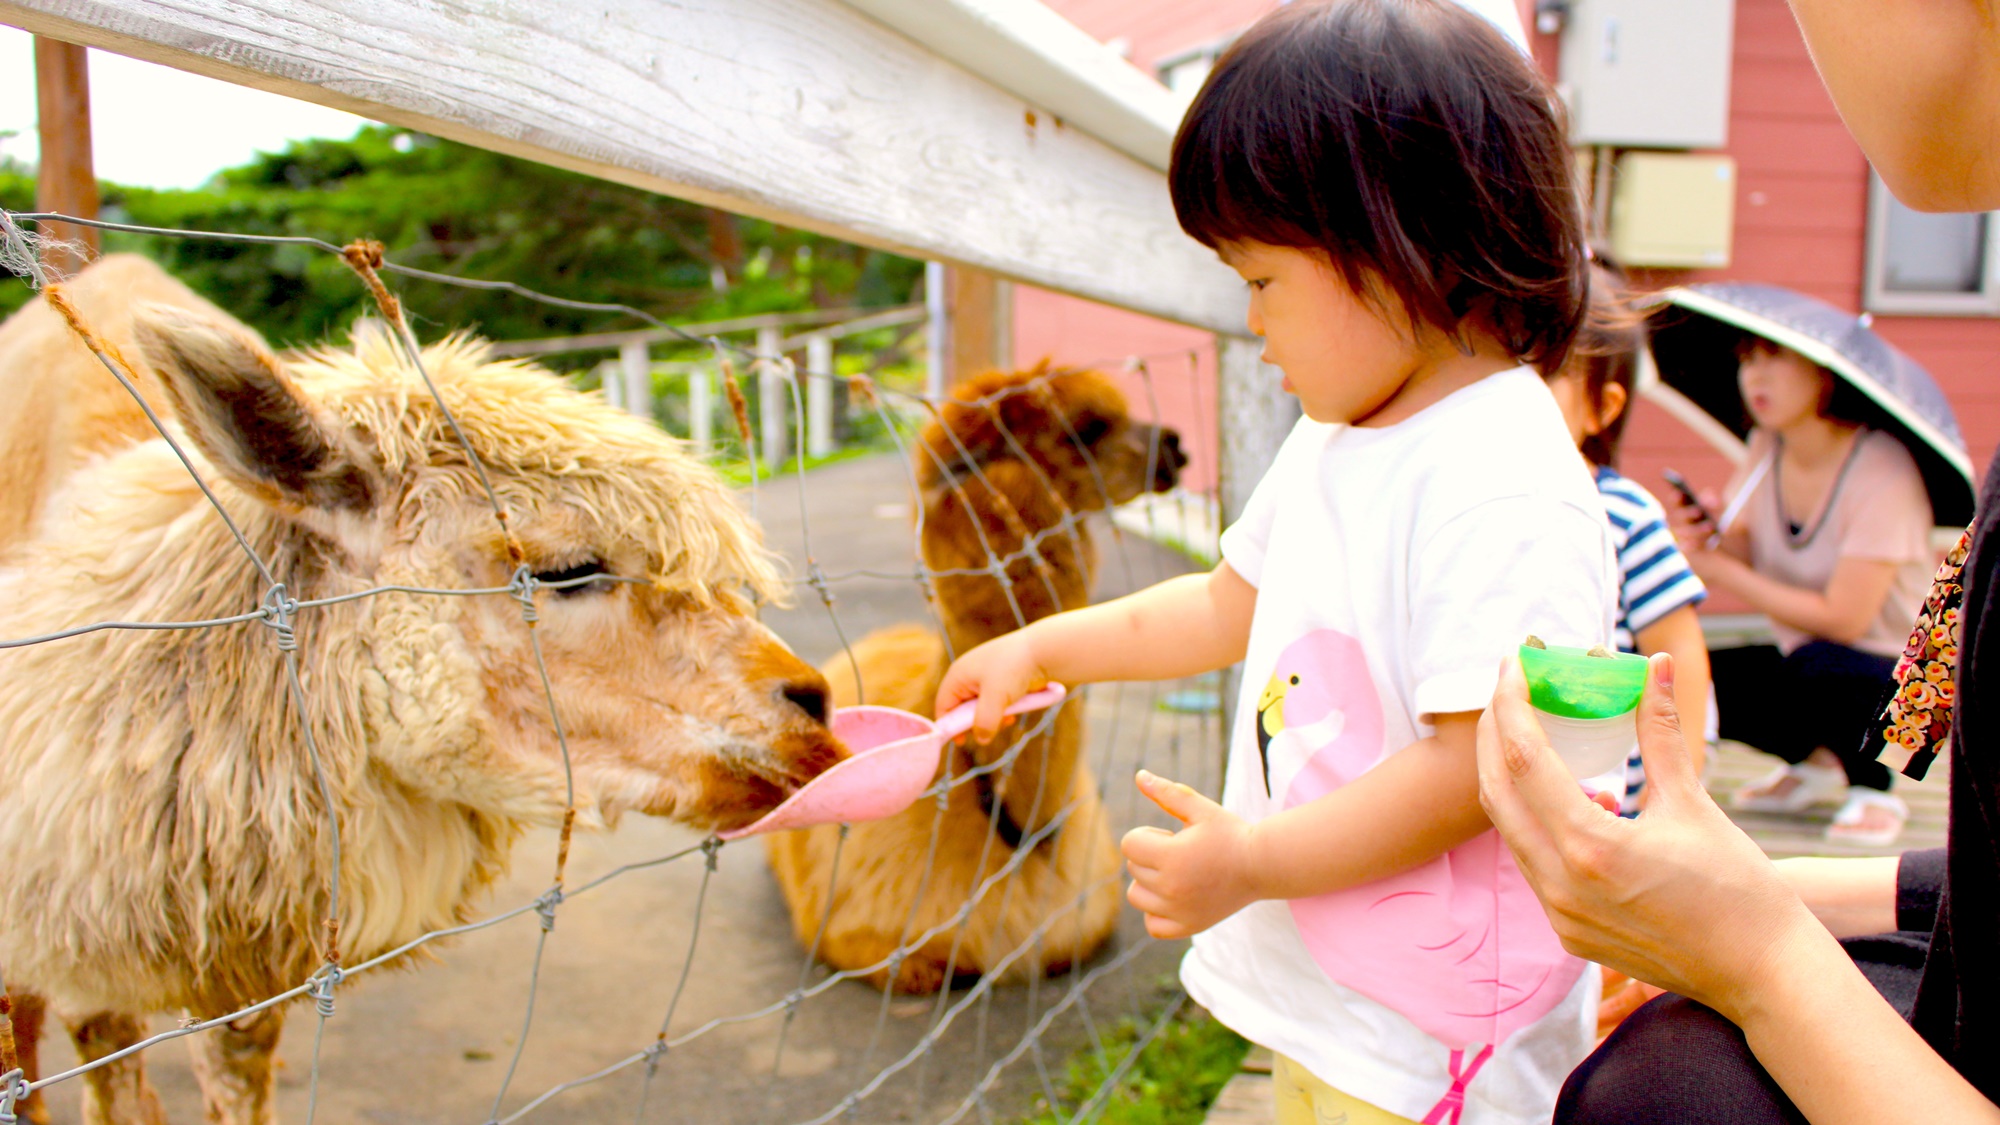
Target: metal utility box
(1673,209)
(1648,73)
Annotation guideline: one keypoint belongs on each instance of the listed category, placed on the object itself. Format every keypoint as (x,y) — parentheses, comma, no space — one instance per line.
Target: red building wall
(1802,222)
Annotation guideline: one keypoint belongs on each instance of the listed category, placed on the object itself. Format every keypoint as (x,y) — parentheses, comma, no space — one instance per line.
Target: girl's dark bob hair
(1412,144)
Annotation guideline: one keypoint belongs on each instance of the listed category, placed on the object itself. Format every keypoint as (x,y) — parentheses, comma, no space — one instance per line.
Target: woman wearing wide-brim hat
(1853,457)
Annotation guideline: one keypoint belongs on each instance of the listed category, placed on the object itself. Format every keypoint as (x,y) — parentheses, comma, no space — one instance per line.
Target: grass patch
(736,471)
(1173,1082)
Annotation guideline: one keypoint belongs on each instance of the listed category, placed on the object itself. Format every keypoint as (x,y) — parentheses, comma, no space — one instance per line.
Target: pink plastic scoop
(894,756)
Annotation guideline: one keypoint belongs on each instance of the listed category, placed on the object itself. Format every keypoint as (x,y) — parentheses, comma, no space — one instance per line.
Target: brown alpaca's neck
(1006,513)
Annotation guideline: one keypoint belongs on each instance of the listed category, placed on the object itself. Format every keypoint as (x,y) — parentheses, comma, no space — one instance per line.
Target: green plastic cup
(1587,704)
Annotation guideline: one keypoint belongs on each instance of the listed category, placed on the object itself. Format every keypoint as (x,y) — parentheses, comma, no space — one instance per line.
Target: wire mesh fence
(695,989)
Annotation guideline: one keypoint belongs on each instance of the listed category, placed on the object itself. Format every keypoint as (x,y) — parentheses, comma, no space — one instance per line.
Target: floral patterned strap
(1914,723)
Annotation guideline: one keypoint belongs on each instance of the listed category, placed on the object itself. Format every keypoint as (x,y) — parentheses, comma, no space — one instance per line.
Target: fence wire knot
(522,589)
(816,578)
(711,848)
(545,906)
(321,985)
(13,1091)
(654,1053)
(279,608)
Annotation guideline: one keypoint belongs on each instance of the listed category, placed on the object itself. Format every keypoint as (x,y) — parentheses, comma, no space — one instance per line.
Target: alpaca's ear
(240,409)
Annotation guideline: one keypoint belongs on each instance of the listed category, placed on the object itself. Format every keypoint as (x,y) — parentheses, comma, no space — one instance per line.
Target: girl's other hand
(1679,898)
(1186,881)
(996,674)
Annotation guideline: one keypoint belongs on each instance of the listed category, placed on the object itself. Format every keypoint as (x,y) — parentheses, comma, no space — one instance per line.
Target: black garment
(1958,1003)
(1823,694)
(1676,1061)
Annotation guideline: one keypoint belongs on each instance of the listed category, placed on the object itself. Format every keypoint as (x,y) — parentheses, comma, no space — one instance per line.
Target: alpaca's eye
(1092,430)
(573,580)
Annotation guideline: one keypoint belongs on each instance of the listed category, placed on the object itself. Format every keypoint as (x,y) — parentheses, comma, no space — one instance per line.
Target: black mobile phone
(1688,498)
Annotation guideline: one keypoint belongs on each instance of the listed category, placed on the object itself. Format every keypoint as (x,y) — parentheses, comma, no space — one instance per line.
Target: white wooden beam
(805,112)
(1027,48)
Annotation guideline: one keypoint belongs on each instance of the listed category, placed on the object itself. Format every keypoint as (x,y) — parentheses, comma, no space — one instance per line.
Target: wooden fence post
(773,396)
(1254,414)
(609,380)
(701,407)
(819,394)
(66,181)
(937,329)
(635,363)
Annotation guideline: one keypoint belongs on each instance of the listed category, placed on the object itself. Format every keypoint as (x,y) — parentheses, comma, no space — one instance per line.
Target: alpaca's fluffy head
(1074,427)
(674,699)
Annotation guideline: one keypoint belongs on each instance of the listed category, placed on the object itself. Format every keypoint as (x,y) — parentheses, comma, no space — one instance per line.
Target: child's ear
(1611,402)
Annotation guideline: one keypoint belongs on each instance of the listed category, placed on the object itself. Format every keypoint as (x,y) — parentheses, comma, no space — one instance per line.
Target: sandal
(1847,826)
(1810,785)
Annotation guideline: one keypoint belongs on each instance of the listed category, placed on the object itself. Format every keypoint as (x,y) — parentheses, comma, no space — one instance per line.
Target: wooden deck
(1247,1098)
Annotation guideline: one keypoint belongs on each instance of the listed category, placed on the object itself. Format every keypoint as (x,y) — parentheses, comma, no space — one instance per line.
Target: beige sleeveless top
(1878,509)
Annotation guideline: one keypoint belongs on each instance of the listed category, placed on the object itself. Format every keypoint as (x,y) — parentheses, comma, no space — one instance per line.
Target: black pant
(1676,1062)
(1823,694)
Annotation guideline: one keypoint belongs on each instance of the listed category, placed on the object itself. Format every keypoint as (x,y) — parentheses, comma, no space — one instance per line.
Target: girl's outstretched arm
(1194,623)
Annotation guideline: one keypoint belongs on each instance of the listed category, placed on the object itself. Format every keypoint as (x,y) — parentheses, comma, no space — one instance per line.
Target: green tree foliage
(468,212)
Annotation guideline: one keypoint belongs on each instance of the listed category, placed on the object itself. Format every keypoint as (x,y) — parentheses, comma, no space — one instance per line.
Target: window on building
(1925,264)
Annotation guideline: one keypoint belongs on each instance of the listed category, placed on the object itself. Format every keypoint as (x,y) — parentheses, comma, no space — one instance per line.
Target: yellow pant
(1305,1100)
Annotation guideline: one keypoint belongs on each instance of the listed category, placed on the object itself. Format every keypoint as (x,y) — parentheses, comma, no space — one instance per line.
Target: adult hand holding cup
(1586,701)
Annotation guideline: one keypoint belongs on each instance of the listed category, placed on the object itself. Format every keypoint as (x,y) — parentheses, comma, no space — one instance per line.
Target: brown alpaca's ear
(246,416)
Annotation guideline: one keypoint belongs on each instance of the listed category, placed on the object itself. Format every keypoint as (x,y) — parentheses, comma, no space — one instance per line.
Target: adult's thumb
(1662,745)
(1180,801)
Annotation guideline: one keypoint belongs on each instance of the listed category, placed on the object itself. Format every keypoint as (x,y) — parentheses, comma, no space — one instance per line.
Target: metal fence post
(819,394)
(635,359)
(772,396)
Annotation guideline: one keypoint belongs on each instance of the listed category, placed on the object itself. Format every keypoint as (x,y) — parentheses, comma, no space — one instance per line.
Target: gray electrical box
(1648,73)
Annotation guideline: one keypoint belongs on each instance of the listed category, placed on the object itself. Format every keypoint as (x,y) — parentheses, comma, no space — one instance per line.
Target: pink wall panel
(1160,28)
(1179,364)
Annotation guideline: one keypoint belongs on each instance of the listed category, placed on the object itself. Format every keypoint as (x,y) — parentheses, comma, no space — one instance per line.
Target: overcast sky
(156,127)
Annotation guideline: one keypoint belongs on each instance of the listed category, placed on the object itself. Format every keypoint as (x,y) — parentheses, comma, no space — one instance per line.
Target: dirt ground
(433,1044)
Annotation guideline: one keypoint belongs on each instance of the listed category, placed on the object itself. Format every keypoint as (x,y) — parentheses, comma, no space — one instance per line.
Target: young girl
(1392,181)
(1657,590)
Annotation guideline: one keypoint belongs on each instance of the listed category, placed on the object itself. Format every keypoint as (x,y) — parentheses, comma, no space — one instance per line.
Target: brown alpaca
(1010,458)
(166,844)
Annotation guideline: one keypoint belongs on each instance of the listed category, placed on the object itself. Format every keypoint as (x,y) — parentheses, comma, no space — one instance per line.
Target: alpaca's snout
(808,696)
(1172,459)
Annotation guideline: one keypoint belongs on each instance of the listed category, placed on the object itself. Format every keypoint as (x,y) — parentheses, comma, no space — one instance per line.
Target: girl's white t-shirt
(1395,567)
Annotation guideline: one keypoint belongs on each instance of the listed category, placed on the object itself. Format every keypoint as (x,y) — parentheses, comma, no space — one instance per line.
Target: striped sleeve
(1655,578)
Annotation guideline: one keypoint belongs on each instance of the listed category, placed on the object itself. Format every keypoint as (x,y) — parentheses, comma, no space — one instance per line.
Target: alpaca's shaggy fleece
(1015,455)
(167,847)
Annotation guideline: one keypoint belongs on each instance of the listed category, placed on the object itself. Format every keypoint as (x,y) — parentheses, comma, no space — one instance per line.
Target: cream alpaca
(166,845)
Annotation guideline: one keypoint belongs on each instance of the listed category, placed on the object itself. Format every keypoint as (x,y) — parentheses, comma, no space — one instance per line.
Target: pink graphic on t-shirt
(1457,945)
